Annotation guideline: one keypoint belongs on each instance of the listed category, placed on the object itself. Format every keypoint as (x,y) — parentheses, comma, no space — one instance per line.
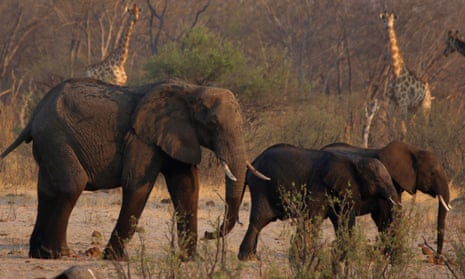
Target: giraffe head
(451,42)
(134,13)
(388,19)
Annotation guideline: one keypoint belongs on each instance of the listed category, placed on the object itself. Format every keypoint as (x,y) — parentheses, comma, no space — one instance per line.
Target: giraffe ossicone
(111,69)
(454,43)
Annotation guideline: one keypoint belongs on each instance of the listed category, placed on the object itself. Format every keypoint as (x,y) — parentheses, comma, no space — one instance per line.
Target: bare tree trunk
(15,41)
(154,39)
(369,114)
(339,76)
(87,31)
(349,63)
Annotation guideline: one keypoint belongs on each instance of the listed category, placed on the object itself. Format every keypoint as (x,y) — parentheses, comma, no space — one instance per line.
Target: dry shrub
(309,123)
(19,168)
(350,255)
(444,134)
(212,259)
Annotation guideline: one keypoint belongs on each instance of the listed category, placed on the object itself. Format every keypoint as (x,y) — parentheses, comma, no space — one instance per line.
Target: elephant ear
(339,176)
(399,160)
(163,119)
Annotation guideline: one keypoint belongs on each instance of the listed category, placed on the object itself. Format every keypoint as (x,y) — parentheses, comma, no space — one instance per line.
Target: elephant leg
(261,214)
(335,219)
(50,238)
(183,185)
(340,242)
(133,204)
(44,210)
(248,248)
(138,176)
(382,216)
(55,203)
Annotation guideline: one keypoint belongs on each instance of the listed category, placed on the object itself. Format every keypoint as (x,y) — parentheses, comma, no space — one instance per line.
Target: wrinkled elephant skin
(324,175)
(412,169)
(89,135)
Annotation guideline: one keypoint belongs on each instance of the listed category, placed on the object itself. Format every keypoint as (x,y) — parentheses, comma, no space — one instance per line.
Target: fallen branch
(442,257)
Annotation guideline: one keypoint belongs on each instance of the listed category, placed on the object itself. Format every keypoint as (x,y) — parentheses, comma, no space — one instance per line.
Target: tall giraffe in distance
(406,90)
(453,43)
(111,69)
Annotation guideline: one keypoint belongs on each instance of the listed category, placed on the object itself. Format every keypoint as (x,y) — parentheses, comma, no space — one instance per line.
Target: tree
(203,57)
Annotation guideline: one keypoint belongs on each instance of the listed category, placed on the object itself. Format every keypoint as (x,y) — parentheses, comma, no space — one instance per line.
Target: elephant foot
(187,253)
(246,257)
(66,252)
(42,252)
(187,257)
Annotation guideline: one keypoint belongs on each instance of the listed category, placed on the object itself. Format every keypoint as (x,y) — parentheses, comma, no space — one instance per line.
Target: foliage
(212,260)
(200,57)
(309,123)
(459,255)
(203,57)
(350,255)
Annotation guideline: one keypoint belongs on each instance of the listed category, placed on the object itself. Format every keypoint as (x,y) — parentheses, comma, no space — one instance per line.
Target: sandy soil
(97,212)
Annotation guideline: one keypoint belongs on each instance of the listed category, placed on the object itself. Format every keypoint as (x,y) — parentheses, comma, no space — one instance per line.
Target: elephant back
(95,103)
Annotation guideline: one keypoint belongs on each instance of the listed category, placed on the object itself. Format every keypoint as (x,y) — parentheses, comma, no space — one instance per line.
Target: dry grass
(98,212)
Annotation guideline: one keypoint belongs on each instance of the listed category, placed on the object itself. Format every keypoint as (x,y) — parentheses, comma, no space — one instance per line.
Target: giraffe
(111,69)
(406,90)
(453,43)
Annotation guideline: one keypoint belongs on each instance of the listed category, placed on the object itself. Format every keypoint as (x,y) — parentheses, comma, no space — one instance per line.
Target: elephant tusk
(91,273)
(256,172)
(394,202)
(443,202)
(227,170)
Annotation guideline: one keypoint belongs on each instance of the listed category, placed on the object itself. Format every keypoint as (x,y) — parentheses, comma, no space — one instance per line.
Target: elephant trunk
(443,208)
(236,161)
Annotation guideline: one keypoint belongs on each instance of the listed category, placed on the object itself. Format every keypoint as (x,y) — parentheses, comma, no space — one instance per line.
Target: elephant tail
(24,136)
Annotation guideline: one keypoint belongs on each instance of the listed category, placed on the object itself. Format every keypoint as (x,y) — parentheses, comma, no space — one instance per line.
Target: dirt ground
(96,212)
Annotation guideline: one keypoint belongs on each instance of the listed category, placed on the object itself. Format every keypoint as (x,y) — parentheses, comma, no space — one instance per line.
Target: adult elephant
(89,135)
(324,175)
(411,169)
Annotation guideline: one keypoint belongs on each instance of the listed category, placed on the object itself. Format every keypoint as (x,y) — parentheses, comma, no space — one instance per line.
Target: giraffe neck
(121,53)
(397,60)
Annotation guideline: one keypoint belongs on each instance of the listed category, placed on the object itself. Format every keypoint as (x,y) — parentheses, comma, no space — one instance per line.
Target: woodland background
(303,70)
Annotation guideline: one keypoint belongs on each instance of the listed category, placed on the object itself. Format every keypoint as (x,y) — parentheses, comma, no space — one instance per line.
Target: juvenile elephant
(324,175)
(411,169)
(89,135)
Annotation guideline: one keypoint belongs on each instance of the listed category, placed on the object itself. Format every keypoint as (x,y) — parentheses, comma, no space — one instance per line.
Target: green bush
(202,57)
